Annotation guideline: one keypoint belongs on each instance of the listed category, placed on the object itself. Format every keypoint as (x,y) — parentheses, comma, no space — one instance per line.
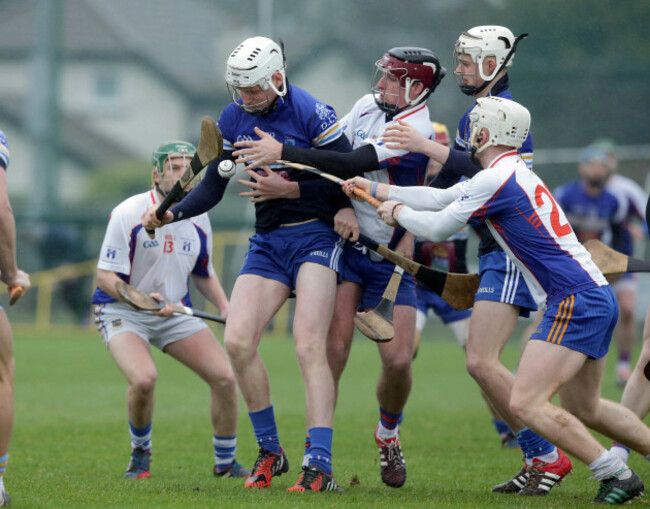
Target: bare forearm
(211,289)
(106,282)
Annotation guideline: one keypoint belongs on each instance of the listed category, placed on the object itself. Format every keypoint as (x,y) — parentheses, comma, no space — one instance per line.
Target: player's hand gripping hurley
(456,289)
(210,147)
(143,302)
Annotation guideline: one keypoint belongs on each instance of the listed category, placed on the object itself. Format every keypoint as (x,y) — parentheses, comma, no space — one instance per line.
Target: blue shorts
(279,254)
(428,299)
(373,276)
(501,281)
(583,321)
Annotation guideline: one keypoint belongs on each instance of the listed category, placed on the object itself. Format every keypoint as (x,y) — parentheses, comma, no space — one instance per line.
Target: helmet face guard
(167,151)
(481,43)
(409,65)
(253,64)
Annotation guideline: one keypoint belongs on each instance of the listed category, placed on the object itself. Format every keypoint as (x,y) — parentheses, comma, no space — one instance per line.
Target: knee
(477,366)
(309,351)
(223,383)
(398,366)
(238,349)
(145,383)
(520,408)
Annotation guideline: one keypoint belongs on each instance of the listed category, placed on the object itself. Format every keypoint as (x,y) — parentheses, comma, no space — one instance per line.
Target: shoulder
(202,222)
(366,103)
(488,181)
(418,117)
(304,101)
(132,206)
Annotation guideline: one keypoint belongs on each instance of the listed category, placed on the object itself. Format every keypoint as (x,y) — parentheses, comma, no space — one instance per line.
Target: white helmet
(252,63)
(507,121)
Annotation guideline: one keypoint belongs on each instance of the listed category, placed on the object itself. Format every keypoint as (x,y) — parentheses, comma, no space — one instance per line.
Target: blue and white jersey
(522,215)
(4,151)
(162,264)
(365,124)
(463,133)
(591,217)
(298,119)
(633,199)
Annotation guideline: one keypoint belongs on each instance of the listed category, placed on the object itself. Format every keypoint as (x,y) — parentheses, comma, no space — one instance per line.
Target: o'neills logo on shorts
(117,323)
(322,254)
(486,290)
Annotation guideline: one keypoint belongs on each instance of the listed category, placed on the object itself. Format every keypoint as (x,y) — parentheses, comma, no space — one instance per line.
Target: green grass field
(70,444)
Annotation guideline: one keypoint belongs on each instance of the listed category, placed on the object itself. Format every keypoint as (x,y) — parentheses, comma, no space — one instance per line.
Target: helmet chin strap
(471,90)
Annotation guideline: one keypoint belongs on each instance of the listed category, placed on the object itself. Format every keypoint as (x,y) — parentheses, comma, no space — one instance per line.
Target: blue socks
(140,437)
(265,429)
(224,451)
(533,445)
(321,448)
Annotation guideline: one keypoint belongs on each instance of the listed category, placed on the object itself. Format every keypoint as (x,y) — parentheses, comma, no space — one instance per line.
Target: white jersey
(631,193)
(522,215)
(161,265)
(366,123)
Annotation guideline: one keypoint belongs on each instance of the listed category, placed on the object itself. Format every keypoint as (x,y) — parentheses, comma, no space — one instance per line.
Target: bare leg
(202,353)
(636,395)
(7,366)
(132,355)
(581,397)
(341,331)
(543,370)
(253,303)
(311,322)
(395,379)
(491,325)
(625,332)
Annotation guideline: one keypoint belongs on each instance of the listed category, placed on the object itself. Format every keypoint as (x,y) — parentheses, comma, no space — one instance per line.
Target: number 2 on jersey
(559,229)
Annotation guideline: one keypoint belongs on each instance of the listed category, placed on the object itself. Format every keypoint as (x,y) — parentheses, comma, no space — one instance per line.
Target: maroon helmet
(408,64)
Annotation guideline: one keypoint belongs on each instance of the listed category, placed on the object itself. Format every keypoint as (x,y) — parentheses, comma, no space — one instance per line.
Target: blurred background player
(449,256)
(636,395)
(162,267)
(292,252)
(402,81)
(483,55)
(633,198)
(12,276)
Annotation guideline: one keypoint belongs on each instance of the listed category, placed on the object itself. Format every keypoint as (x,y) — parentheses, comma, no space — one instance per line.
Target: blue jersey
(298,119)
(591,217)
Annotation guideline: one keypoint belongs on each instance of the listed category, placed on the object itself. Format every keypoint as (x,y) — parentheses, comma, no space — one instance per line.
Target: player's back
(534,231)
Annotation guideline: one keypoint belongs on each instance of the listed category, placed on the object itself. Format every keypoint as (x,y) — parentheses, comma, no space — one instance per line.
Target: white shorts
(117,317)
